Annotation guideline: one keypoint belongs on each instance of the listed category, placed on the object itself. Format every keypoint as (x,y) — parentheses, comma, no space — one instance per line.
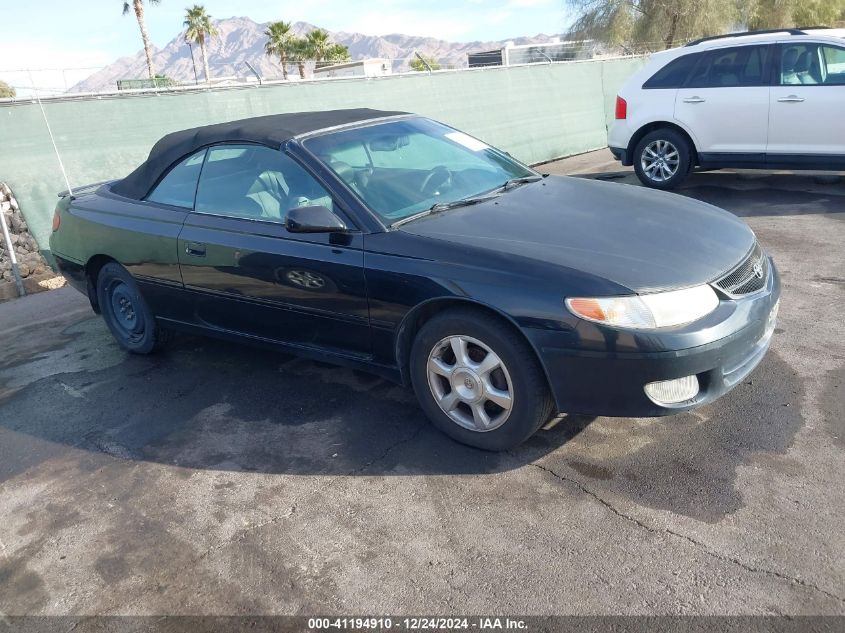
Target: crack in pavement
(290,511)
(697,544)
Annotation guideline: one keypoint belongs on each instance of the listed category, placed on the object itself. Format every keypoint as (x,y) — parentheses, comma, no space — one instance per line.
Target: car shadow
(204,404)
(753,193)
(208,404)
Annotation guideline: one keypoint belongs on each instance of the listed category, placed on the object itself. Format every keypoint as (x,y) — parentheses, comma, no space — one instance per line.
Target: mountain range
(242,40)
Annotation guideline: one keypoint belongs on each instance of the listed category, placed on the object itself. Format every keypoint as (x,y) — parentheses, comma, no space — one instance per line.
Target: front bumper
(593,381)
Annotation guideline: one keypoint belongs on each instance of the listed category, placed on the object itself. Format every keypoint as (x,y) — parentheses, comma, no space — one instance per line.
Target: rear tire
(125,311)
(663,159)
(478,381)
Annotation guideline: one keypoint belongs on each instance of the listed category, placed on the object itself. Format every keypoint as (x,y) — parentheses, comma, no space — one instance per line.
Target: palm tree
(281,41)
(301,51)
(338,53)
(319,45)
(198,28)
(138,6)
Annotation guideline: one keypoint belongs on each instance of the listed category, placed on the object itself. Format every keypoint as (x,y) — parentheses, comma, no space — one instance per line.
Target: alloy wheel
(660,160)
(470,383)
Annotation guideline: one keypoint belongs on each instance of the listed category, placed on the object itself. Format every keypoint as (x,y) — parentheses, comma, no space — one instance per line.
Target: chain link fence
(244,69)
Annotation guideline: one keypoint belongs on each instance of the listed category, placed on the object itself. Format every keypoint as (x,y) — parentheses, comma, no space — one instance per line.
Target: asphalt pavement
(214,478)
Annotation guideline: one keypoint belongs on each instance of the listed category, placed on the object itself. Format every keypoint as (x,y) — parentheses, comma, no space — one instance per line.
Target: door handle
(791,99)
(196,249)
(695,99)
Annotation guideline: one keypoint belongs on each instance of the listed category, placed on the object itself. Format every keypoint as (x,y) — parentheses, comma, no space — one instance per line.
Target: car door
(247,274)
(143,234)
(725,103)
(807,104)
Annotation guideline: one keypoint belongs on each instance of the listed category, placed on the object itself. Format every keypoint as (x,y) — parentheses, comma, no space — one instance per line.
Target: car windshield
(404,167)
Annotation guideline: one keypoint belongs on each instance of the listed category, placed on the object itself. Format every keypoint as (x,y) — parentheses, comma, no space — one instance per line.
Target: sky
(84,35)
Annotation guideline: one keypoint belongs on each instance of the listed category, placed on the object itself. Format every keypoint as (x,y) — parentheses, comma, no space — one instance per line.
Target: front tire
(663,159)
(125,311)
(477,381)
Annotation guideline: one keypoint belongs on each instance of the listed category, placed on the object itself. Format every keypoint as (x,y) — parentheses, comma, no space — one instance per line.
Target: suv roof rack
(746,33)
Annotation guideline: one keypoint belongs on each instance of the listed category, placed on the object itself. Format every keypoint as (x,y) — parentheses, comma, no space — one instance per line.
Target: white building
(373,67)
(511,54)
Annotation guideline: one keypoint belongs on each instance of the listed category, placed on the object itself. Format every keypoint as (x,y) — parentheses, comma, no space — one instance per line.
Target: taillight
(621,108)
(57,220)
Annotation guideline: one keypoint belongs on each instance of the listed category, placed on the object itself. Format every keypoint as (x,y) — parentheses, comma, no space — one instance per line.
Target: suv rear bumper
(621,154)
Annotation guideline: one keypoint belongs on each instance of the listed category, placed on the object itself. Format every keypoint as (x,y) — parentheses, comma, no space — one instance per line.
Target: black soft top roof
(271,130)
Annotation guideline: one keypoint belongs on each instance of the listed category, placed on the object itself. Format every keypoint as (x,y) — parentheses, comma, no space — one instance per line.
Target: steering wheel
(434,179)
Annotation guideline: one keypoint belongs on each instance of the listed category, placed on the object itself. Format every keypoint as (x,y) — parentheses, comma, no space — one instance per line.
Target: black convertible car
(392,243)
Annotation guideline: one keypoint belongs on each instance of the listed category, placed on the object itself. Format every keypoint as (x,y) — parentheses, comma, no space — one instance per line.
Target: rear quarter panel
(139,235)
(645,106)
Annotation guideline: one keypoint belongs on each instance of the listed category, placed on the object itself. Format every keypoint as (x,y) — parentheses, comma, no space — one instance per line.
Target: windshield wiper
(439,207)
(463,202)
(515,182)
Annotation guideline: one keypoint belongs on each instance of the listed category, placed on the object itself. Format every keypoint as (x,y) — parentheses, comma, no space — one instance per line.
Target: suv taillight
(621,108)
(57,220)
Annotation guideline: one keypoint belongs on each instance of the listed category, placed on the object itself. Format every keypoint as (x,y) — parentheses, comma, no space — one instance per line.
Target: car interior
(741,66)
(178,185)
(386,188)
(253,182)
(812,64)
(396,174)
(399,174)
(800,65)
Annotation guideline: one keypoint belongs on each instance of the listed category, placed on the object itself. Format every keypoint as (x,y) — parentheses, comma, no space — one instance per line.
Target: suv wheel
(662,159)
(477,382)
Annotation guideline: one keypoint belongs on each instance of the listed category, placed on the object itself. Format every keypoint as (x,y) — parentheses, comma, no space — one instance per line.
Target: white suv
(764,100)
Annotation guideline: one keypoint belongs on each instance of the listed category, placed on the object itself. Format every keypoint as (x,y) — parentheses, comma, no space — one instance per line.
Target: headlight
(661,309)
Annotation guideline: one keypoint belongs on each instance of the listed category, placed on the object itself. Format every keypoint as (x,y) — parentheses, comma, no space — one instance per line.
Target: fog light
(672,391)
(771,322)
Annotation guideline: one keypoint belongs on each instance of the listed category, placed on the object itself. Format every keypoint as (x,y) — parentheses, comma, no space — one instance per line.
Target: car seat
(802,68)
(305,191)
(787,68)
(269,191)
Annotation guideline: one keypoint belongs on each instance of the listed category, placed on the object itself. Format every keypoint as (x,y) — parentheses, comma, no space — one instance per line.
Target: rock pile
(30,261)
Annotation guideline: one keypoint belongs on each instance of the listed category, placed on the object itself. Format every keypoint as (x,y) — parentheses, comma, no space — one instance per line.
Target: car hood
(639,238)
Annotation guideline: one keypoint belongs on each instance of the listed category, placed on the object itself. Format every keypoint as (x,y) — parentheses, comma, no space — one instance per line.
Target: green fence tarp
(537,113)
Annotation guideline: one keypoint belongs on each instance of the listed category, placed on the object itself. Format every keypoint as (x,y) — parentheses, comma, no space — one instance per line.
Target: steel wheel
(660,160)
(470,383)
(126,317)
(124,310)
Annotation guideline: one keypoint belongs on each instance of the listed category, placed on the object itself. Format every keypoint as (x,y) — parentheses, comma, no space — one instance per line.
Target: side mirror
(313,219)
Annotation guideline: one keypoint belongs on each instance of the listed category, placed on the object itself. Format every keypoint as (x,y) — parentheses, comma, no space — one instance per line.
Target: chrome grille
(749,276)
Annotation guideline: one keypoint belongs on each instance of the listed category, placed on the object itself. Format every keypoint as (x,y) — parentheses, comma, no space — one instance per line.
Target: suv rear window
(734,67)
(673,74)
